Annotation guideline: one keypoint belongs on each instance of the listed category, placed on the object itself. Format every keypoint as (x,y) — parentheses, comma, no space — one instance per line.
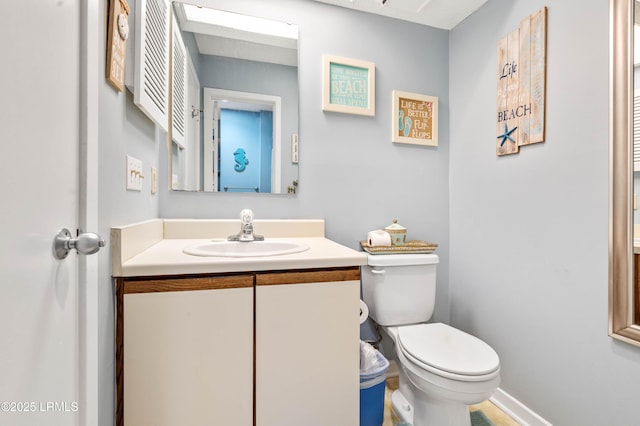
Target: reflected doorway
(245,144)
(242,144)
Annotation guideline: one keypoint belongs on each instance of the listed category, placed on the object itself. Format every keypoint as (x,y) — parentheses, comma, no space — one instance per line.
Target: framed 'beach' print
(348,86)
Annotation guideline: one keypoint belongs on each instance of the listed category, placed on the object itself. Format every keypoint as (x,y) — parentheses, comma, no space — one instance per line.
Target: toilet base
(401,407)
(430,413)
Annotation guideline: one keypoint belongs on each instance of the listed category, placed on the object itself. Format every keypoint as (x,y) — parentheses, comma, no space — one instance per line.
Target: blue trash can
(372,386)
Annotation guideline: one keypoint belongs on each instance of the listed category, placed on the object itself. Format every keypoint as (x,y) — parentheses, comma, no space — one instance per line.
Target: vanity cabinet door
(307,348)
(187,355)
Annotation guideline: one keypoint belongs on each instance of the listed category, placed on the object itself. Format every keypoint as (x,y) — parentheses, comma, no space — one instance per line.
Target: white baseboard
(517,410)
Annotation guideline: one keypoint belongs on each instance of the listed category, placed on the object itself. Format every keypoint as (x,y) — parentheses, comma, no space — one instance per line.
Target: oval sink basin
(244,249)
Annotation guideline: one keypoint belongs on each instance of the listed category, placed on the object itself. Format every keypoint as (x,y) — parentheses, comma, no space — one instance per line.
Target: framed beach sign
(414,119)
(348,86)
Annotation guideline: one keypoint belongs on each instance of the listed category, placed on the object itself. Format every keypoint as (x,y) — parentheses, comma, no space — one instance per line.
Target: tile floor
(493,413)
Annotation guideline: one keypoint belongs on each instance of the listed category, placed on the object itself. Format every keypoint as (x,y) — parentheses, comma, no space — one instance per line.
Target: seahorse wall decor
(241,160)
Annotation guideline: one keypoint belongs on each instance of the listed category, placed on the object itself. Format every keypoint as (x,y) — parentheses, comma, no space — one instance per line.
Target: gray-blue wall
(529,232)
(351,174)
(523,239)
(123,130)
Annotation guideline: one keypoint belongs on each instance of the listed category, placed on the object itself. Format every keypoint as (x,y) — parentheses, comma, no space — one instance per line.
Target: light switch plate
(294,148)
(154,180)
(134,174)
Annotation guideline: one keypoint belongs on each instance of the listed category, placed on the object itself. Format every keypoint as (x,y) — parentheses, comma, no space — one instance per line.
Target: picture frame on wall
(414,119)
(348,86)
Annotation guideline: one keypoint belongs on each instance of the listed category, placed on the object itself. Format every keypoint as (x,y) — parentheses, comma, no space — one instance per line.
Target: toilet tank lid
(401,259)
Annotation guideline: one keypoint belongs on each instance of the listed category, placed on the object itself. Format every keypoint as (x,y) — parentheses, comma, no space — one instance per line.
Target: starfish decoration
(507,135)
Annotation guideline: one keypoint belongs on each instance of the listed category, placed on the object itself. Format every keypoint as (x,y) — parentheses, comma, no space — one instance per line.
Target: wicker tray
(413,246)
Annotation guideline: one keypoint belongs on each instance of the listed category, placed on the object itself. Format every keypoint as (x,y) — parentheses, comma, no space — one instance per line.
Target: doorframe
(193,163)
(210,145)
(88,266)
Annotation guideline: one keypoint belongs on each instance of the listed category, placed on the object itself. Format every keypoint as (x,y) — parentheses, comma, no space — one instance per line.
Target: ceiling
(238,36)
(221,40)
(444,14)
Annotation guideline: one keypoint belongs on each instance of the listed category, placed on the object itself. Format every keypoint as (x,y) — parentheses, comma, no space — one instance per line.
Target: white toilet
(442,370)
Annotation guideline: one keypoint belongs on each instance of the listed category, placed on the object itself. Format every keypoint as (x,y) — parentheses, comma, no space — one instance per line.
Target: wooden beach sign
(520,96)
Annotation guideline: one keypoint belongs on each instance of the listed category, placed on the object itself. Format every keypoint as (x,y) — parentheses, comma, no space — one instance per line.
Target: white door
(44,347)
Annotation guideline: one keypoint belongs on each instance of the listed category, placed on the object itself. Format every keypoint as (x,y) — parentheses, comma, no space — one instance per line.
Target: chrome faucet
(246,228)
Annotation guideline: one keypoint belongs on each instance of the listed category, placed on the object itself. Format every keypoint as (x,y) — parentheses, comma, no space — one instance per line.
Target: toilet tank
(400,289)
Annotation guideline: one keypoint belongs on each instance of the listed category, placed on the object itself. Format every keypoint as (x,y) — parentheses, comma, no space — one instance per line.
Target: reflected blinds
(179,87)
(636,133)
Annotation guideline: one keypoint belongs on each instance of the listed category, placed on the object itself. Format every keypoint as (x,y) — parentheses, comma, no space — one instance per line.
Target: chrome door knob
(86,243)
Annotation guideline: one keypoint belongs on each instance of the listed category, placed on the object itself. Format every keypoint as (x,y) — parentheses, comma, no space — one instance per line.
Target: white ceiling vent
(444,14)
(405,6)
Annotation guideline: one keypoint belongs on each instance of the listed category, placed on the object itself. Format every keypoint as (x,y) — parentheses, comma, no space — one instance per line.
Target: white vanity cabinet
(185,351)
(307,348)
(257,348)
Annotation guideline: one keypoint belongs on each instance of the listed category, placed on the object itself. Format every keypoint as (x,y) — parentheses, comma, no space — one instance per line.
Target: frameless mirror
(234,121)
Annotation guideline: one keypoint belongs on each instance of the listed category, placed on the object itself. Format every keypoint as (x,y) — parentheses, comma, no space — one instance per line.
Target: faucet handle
(246,216)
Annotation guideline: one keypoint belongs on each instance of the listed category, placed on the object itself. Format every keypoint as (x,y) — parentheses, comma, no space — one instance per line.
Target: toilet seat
(448,352)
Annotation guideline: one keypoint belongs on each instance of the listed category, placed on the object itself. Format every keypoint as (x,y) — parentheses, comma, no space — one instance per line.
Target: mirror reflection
(635,90)
(234,125)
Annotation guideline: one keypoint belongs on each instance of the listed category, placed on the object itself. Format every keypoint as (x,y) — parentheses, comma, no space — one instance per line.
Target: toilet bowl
(442,370)
(445,370)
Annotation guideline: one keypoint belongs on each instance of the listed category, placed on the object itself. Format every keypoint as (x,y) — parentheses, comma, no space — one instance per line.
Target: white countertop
(157,255)
(166,258)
